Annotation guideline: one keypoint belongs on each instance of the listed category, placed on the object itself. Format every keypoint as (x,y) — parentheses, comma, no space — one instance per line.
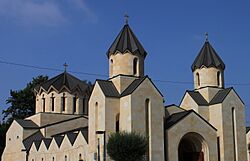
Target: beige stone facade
(74,119)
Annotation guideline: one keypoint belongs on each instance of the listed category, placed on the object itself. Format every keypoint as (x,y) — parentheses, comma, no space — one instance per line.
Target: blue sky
(50,32)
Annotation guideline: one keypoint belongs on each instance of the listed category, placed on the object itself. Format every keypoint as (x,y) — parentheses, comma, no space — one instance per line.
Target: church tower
(126,54)
(208,68)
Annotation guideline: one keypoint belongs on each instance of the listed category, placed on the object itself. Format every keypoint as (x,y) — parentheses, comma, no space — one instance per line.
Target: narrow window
(52,102)
(42,159)
(53,159)
(135,66)
(111,67)
(218,78)
(65,157)
(74,104)
(218,146)
(96,115)
(147,108)
(83,106)
(234,133)
(80,157)
(63,102)
(198,79)
(43,103)
(117,123)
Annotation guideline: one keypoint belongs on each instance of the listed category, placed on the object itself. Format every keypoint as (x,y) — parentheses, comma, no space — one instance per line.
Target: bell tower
(126,54)
(208,68)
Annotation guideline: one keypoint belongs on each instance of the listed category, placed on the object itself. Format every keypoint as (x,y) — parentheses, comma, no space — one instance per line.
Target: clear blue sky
(50,32)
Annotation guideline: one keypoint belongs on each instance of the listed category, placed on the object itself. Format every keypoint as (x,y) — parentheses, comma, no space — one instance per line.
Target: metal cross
(206,35)
(126,16)
(65,66)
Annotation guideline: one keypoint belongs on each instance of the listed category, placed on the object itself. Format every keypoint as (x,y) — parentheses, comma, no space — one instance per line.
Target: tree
(124,146)
(22,102)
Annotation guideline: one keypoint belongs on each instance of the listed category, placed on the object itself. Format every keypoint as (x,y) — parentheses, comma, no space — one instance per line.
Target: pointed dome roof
(208,57)
(64,80)
(126,40)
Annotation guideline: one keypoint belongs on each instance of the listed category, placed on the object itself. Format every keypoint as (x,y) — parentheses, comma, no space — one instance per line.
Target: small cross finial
(126,16)
(206,35)
(65,66)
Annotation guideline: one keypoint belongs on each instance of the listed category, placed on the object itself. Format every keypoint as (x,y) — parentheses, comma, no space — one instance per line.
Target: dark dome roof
(208,57)
(126,40)
(65,80)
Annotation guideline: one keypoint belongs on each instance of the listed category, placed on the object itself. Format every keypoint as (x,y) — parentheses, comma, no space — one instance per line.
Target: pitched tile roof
(27,124)
(108,88)
(247,129)
(64,80)
(34,137)
(220,96)
(126,40)
(208,57)
(130,89)
(58,140)
(174,118)
(198,98)
(47,142)
(72,137)
(85,134)
(37,143)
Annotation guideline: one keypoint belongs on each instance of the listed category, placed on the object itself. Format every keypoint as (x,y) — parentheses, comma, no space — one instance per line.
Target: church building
(74,119)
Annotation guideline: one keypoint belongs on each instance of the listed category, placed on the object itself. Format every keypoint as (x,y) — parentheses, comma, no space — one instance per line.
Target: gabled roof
(220,96)
(47,142)
(27,124)
(130,89)
(208,57)
(126,41)
(34,137)
(247,129)
(108,88)
(198,98)
(58,140)
(174,118)
(37,143)
(72,137)
(64,80)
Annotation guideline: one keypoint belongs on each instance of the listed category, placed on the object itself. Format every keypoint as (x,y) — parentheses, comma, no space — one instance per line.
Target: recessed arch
(135,64)
(192,147)
(198,79)
(218,78)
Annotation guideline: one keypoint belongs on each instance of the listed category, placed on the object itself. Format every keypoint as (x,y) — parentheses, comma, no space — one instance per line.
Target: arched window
(147,109)
(198,79)
(218,78)
(63,102)
(74,104)
(65,158)
(111,67)
(43,103)
(52,102)
(42,159)
(96,115)
(80,156)
(117,123)
(135,62)
(234,132)
(53,159)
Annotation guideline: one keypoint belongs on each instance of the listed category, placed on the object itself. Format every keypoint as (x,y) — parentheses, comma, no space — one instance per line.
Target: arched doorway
(192,147)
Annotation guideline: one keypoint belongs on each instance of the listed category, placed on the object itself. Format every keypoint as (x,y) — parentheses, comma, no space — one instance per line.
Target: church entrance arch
(192,147)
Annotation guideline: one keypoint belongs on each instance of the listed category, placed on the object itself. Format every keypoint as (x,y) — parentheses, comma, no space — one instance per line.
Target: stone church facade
(74,119)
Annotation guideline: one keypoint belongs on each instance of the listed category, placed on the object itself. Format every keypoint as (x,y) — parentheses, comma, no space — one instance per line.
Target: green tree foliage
(22,102)
(124,146)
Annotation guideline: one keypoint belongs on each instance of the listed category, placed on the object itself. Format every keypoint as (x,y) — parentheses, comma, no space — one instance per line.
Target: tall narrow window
(80,157)
(198,79)
(218,146)
(43,103)
(218,78)
(147,108)
(96,116)
(135,62)
(63,102)
(234,133)
(111,67)
(83,106)
(52,102)
(117,123)
(74,104)
(53,159)
(65,158)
